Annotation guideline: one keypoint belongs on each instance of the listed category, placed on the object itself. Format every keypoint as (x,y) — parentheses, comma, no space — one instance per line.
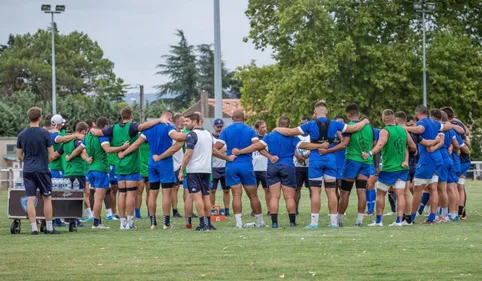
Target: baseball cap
(218,123)
(57,119)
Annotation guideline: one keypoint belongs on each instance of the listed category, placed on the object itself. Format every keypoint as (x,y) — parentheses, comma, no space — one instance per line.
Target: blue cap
(218,122)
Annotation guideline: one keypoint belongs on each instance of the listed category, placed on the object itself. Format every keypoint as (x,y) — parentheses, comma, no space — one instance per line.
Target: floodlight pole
(218,108)
(54,83)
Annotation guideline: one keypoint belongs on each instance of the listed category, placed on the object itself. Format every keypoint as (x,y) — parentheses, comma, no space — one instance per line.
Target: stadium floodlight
(430,7)
(417,6)
(45,8)
(60,8)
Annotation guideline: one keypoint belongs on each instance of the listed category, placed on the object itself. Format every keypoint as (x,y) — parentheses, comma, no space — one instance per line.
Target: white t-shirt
(260,163)
(219,163)
(177,158)
(302,152)
(201,142)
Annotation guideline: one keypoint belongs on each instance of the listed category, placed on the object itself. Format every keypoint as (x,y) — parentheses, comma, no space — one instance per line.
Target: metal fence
(474,173)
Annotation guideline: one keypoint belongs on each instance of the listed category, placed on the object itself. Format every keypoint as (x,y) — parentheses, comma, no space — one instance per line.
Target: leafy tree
(155,109)
(180,67)
(80,65)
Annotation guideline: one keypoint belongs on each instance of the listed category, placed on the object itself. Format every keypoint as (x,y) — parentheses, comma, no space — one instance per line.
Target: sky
(134,34)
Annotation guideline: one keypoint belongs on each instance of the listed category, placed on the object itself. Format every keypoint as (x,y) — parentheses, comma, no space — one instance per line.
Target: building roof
(229,106)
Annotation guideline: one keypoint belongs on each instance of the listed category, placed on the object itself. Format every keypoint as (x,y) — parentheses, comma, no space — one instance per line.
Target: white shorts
(419,182)
(461,181)
(385,187)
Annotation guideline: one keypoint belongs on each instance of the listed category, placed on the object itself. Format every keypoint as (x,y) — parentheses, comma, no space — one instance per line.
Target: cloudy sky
(135,33)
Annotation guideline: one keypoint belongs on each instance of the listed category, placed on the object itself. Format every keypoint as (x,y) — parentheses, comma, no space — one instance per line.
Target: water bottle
(19,183)
(66,184)
(54,184)
(76,184)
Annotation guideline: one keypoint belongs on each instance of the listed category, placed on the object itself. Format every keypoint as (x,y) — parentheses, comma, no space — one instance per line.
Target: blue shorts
(98,179)
(87,178)
(352,169)
(281,173)
(112,176)
(444,171)
(464,167)
(57,174)
(319,171)
(184,183)
(130,177)
(162,174)
(240,173)
(339,173)
(390,178)
(425,171)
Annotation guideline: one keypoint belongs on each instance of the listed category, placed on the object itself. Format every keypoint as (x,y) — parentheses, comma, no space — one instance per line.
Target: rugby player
(219,171)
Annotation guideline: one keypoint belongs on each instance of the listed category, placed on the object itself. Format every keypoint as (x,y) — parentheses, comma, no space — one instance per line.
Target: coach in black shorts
(34,149)
(219,171)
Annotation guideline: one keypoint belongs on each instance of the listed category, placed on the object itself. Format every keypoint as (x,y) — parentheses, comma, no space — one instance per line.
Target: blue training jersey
(431,132)
(159,141)
(312,129)
(282,146)
(444,150)
(238,135)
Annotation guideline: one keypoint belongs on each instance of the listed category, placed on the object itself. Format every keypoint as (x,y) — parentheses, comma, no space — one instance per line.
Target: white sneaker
(376,224)
(396,224)
(239,226)
(389,214)
(260,225)
(249,224)
(404,223)
(124,227)
(100,226)
(153,226)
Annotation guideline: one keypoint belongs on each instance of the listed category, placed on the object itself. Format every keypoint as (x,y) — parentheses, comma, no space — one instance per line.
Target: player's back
(159,141)
(34,143)
(282,146)
(238,135)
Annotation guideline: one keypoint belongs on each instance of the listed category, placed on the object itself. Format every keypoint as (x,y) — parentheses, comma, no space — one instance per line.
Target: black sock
(174,211)
(153,220)
(209,220)
(292,218)
(274,218)
(96,222)
(461,210)
(167,220)
(188,220)
(201,222)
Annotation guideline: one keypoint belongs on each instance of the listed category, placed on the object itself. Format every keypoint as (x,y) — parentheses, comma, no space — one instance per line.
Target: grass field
(450,251)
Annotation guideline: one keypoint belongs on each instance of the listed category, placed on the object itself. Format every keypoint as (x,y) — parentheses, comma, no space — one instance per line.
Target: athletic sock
(423,202)
(174,211)
(153,220)
(148,213)
(96,222)
(392,201)
(130,220)
(333,219)
(167,220)
(445,212)
(49,225)
(207,221)
(34,226)
(109,212)
(461,210)
(89,213)
(292,218)
(359,219)
(226,210)
(259,218)
(188,220)
(123,221)
(314,218)
(339,218)
(413,216)
(138,212)
(399,219)
(201,222)
(431,217)
(239,220)
(274,218)
(379,218)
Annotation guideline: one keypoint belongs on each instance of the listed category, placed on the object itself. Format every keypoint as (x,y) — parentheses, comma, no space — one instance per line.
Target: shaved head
(238,115)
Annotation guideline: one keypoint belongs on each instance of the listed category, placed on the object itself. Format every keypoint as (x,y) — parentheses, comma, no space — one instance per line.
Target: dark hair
(401,115)
(411,118)
(74,125)
(48,120)
(352,108)
(450,112)
(258,124)
(34,114)
(436,113)
(90,122)
(284,122)
(102,122)
(126,113)
(341,117)
(81,126)
(306,118)
(421,109)
(193,117)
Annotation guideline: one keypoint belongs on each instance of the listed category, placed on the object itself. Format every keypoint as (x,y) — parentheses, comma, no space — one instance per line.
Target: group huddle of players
(421,164)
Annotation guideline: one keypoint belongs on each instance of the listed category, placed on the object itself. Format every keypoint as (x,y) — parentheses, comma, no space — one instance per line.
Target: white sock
(333,219)
(314,218)
(239,220)
(34,226)
(445,212)
(339,218)
(49,225)
(259,218)
(427,208)
(359,218)
(130,220)
(89,213)
(123,221)
(109,212)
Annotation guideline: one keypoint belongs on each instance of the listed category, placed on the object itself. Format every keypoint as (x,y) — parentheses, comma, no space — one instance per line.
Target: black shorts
(219,176)
(176,174)
(281,173)
(198,182)
(40,181)
(81,179)
(261,178)
(302,177)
